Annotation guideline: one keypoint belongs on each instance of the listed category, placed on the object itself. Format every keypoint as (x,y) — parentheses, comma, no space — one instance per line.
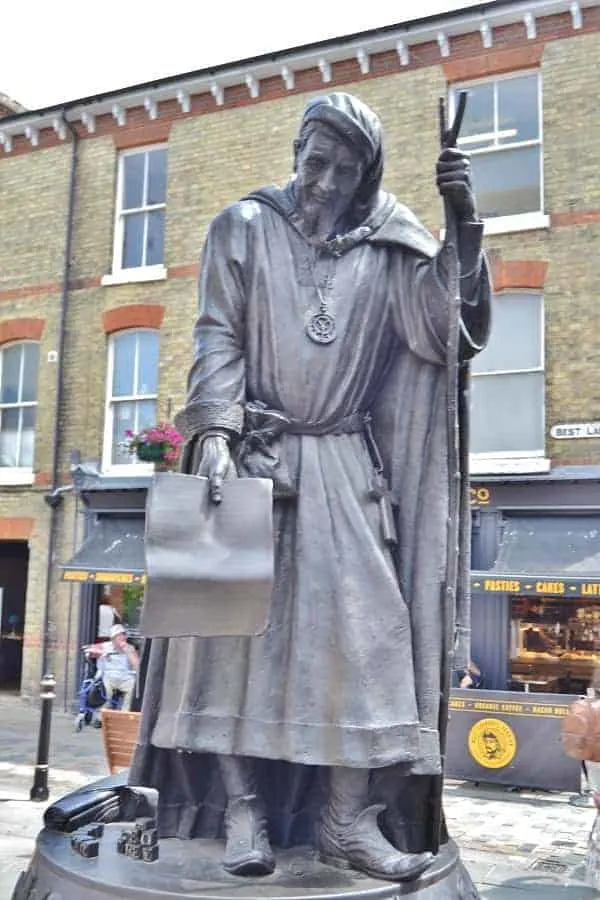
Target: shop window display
(555,644)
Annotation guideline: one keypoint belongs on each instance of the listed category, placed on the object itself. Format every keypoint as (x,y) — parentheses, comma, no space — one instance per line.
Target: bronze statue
(321,355)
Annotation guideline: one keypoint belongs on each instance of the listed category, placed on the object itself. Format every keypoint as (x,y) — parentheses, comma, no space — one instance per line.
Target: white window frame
(135,467)
(528,221)
(18,474)
(119,275)
(517,461)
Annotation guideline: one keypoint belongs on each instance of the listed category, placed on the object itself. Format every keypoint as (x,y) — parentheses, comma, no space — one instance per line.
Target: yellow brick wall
(33,190)
(94,207)
(571,124)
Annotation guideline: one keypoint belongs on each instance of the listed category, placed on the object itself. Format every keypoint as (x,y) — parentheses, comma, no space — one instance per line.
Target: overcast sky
(57,50)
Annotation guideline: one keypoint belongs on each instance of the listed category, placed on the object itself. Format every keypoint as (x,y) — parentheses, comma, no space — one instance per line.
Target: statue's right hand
(216,464)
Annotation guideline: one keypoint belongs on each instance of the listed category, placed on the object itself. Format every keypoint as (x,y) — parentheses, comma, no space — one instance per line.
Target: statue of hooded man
(321,361)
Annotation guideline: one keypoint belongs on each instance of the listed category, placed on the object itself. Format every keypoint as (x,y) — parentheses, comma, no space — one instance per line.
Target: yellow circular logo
(492,743)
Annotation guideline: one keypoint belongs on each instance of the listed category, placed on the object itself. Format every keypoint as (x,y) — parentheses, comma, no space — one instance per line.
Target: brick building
(105,202)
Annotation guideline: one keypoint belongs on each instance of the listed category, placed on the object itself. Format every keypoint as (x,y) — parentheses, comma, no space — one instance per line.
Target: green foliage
(133,595)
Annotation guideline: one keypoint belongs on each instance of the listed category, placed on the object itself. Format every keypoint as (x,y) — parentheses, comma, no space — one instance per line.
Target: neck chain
(321,327)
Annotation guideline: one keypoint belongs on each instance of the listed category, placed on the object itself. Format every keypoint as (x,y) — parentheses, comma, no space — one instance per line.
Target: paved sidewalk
(528,845)
(74,760)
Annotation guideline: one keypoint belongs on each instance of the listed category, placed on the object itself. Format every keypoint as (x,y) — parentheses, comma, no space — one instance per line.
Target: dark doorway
(14,559)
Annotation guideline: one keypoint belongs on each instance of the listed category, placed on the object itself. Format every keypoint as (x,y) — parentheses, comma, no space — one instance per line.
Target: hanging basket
(150,453)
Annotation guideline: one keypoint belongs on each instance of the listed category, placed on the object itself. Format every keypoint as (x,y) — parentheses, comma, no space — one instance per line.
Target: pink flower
(162,435)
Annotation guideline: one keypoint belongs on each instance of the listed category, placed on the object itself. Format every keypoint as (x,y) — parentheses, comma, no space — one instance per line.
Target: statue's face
(328,174)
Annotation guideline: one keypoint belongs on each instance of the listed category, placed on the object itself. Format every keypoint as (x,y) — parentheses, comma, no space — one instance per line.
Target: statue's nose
(327,181)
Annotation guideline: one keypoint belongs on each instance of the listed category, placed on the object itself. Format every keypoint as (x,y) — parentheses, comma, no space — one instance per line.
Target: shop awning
(546,556)
(112,553)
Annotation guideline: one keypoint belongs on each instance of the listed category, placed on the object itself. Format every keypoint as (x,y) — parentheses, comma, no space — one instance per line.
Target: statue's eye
(315,162)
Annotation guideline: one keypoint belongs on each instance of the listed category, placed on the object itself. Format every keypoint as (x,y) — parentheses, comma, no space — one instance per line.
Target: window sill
(523,222)
(508,465)
(135,276)
(508,224)
(16,476)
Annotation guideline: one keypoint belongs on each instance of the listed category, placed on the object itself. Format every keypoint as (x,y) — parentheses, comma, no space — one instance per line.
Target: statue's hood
(390,223)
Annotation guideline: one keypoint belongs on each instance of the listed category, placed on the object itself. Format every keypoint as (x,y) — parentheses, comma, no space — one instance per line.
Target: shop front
(535,594)
(109,565)
(546,583)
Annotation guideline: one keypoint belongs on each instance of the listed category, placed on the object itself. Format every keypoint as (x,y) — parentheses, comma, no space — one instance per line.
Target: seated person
(118,663)
(471,677)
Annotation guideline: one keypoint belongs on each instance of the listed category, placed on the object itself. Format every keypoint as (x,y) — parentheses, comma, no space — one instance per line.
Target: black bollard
(39,790)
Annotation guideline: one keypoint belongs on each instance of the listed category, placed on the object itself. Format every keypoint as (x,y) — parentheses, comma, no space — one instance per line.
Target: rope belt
(351,424)
(264,426)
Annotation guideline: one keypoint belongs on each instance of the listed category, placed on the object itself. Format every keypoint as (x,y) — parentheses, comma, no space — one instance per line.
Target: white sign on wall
(576,430)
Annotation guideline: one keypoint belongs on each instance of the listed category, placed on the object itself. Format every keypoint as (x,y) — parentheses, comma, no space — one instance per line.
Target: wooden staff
(448,138)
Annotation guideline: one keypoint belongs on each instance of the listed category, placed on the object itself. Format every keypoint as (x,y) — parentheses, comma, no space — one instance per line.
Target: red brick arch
(16,528)
(142,133)
(493,62)
(21,330)
(511,274)
(134,315)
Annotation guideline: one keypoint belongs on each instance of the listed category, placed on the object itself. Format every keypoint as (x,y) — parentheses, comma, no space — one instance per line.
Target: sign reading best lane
(571,430)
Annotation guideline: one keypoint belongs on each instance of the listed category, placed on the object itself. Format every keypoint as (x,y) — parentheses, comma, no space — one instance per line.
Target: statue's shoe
(362,846)
(247,847)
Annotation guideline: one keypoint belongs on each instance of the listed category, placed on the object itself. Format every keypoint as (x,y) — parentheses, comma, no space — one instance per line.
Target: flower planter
(158,444)
(150,453)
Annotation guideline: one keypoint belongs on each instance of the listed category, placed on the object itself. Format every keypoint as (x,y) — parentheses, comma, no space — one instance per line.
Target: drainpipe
(39,789)
(54,497)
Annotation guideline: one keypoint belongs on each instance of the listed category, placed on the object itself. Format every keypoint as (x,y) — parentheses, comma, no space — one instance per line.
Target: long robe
(345,673)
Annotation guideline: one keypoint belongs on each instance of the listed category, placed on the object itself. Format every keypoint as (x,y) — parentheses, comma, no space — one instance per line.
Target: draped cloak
(348,670)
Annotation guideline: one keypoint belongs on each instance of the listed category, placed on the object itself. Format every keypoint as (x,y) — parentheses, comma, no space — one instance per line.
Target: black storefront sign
(544,585)
(545,556)
(548,493)
(98,576)
(503,738)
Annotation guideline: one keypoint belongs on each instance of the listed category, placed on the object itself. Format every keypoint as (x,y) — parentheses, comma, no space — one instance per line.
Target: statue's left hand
(454,182)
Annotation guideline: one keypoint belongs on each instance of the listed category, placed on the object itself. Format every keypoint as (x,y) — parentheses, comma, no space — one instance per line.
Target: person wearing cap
(118,663)
(321,352)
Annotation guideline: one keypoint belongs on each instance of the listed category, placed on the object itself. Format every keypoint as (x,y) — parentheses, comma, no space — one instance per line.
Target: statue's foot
(247,848)
(362,846)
